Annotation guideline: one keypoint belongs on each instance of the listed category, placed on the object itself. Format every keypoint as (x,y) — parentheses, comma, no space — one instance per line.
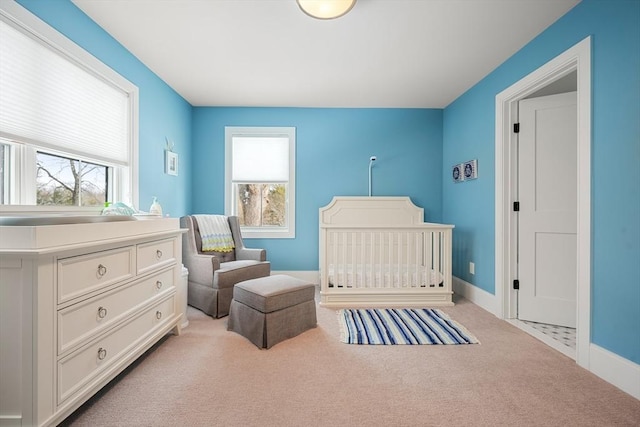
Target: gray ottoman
(271,309)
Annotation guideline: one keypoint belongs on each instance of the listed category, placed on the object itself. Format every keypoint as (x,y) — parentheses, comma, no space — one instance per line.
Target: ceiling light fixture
(326,9)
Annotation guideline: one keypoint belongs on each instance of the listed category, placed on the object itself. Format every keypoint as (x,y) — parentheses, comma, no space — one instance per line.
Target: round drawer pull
(102,270)
(102,353)
(158,315)
(158,284)
(102,312)
(158,254)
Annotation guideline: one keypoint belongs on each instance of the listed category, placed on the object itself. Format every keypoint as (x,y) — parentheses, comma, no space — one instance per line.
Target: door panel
(547,187)
(555,260)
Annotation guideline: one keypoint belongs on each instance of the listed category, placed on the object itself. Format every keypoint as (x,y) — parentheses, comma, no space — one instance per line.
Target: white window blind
(260,159)
(52,101)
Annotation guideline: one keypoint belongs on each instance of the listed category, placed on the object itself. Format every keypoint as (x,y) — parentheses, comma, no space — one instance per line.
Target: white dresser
(78,304)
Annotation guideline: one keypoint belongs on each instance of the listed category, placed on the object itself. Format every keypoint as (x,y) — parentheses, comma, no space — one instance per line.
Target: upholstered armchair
(212,275)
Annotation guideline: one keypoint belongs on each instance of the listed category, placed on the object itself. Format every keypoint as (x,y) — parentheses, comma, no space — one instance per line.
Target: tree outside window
(261,205)
(69,182)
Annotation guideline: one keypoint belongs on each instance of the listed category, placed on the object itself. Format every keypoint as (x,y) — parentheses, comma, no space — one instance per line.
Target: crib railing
(374,266)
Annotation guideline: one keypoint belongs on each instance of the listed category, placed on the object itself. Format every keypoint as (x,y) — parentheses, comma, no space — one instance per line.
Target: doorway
(575,60)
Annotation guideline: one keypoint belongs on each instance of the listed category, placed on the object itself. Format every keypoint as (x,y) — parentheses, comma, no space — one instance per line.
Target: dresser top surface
(54,237)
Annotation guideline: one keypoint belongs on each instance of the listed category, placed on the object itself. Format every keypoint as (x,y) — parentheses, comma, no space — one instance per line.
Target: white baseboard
(615,369)
(479,297)
(309,276)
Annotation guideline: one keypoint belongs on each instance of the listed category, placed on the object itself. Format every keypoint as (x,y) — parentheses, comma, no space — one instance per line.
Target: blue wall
(333,147)
(416,149)
(615,29)
(163,113)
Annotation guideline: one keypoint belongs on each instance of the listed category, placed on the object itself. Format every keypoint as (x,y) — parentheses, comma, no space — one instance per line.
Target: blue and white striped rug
(401,326)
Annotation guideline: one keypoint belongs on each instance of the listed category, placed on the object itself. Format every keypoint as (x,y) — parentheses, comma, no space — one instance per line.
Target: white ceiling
(384,53)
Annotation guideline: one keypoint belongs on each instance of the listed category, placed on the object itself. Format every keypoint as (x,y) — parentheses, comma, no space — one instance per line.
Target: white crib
(378,252)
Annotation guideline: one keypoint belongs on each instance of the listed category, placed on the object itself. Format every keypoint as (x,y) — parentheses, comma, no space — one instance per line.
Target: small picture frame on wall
(470,169)
(171,163)
(457,172)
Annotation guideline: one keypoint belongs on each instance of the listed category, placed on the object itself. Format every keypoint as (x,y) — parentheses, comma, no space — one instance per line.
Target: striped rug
(401,326)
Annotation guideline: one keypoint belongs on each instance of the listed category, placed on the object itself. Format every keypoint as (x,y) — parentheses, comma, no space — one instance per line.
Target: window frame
(124,179)
(288,232)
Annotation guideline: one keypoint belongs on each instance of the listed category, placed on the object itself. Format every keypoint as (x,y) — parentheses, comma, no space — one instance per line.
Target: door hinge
(516,284)
(516,206)
(516,128)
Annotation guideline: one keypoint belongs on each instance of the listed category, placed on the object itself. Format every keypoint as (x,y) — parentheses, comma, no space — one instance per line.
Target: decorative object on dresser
(79,302)
(213,274)
(378,252)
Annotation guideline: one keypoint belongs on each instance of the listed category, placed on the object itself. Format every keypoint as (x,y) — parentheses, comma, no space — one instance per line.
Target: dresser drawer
(153,255)
(80,321)
(83,366)
(80,275)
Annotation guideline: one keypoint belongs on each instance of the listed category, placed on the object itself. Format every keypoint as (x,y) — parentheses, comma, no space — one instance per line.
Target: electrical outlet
(472,268)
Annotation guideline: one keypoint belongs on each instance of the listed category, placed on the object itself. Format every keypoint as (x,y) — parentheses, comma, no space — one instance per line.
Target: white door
(547,221)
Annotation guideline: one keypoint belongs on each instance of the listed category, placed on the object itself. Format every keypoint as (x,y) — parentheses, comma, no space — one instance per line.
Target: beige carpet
(210,377)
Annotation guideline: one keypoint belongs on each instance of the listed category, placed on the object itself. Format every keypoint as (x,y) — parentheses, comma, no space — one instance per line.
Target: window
(68,123)
(260,180)
(70,182)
